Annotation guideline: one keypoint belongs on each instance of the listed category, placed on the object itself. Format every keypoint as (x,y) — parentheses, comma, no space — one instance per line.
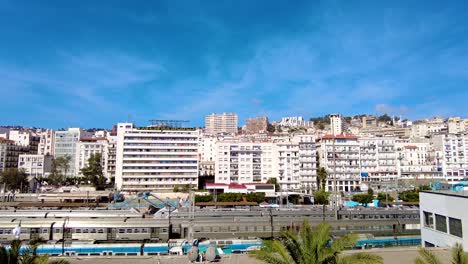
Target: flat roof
(461,193)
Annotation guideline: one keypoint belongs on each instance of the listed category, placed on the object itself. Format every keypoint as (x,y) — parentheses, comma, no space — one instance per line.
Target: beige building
(456,125)
(256,125)
(221,123)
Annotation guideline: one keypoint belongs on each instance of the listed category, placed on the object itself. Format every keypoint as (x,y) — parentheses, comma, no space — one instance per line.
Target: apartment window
(455,226)
(428,219)
(441,223)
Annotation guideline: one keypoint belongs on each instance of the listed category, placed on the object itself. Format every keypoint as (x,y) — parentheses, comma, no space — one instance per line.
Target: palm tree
(312,246)
(322,177)
(28,256)
(321,197)
(427,257)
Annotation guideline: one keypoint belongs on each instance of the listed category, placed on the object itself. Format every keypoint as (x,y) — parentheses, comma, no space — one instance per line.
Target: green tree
(93,171)
(176,189)
(60,167)
(363,199)
(312,246)
(322,178)
(275,182)
(322,197)
(203,198)
(255,197)
(14,179)
(370,191)
(427,257)
(383,197)
(28,256)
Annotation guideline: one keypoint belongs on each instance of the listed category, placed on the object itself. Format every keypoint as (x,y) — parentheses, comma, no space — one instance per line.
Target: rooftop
(460,193)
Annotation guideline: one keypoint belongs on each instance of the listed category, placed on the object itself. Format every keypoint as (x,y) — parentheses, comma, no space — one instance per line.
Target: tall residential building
(378,159)
(451,154)
(65,145)
(308,165)
(256,125)
(289,166)
(244,162)
(336,124)
(221,123)
(46,142)
(339,155)
(111,155)
(155,158)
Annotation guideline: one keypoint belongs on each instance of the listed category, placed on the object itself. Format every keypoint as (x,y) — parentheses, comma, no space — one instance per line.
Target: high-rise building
(378,159)
(46,142)
(9,153)
(336,124)
(156,158)
(221,123)
(451,154)
(65,145)
(339,155)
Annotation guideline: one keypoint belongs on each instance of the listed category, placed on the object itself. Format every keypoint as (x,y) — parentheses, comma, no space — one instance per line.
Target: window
(455,226)
(441,223)
(428,219)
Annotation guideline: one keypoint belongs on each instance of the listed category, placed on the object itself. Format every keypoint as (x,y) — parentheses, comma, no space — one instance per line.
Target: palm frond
(3,255)
(427,257)
(13,254)
(458,255)
(361,258)
(273,252)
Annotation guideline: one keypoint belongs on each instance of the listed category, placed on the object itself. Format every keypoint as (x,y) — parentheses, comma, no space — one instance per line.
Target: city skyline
(94,64)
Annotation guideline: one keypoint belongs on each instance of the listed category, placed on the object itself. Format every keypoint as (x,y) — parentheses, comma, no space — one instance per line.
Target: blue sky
(94,63)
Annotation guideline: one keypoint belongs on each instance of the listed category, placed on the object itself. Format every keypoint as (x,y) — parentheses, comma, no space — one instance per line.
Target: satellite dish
(210,254)
(193,254)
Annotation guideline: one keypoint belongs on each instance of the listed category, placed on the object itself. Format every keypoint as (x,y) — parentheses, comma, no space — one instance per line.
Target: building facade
(221,123)
(87,147)
(336,124)
(35,165)
(65,145)
(46,142)
(339,155)
(451,152)
(444,218)
(155,159)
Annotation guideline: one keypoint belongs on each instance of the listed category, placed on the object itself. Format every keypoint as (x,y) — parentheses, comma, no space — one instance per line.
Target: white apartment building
(155,159)
(428,127)
(221,123)
(3,153)
(35,165)
(416,162)
(244,162)
(24,139)
(451,151)
(339,155)
(289,166)
(456,125)
(65,145)
(295,121)
(46,142)
(336,124)
(110,162)
(378,159)
(207,148)
(444,218)
(88,146)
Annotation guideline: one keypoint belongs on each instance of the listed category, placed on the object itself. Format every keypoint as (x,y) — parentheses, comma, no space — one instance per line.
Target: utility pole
(271,222)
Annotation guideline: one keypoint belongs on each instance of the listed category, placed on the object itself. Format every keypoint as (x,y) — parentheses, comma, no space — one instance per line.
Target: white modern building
(416,161)
(423,128)
(24,139)
(35,165)
(46,142)
(155,158)
(336,124)
(87,147)
(244,162)
(295,121)
(339,155)
(221,123)
(444,218)
(65,145)
(451,154)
